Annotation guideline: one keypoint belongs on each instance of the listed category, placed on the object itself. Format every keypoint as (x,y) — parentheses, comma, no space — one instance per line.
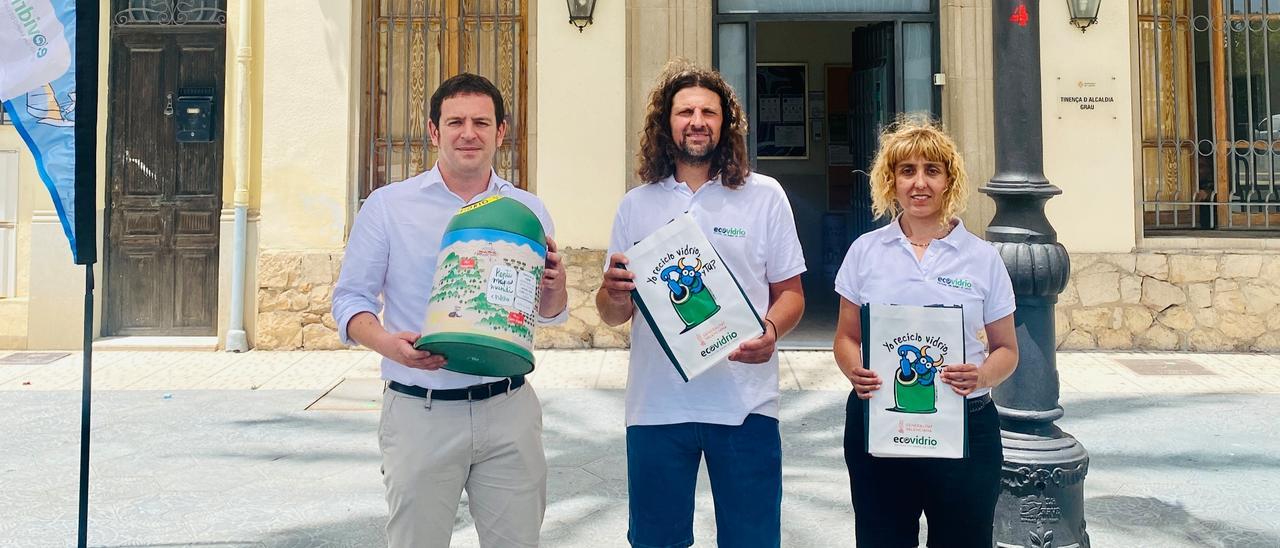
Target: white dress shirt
(754,232)
(391,260)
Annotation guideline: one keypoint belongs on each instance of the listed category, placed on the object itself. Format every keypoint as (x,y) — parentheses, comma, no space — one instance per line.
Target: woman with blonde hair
(925,256)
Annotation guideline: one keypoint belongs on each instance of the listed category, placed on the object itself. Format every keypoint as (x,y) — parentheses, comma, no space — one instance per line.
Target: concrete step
(136,344)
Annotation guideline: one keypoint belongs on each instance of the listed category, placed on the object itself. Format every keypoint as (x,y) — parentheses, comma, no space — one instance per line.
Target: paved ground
(213,449)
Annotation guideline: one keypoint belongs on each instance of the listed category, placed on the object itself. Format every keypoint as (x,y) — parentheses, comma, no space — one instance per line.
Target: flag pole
(86,220)
(85,391)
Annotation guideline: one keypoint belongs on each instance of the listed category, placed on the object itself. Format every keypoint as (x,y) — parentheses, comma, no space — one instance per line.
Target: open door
(872,104)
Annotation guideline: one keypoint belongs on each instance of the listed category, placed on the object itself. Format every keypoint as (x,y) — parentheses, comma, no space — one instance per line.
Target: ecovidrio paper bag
(689,298)
(914,414)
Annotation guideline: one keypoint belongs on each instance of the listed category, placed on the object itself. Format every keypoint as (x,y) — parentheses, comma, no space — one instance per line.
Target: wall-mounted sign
(1088,98)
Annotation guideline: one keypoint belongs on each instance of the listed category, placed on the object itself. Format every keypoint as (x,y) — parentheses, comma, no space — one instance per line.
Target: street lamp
(1041,502)
(580,12)
(1084,12)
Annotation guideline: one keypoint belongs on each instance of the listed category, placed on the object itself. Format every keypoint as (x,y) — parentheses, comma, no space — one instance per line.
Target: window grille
(169,12)
(1210,114)
(413,45)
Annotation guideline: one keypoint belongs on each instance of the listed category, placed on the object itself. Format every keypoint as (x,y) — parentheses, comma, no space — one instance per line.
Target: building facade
(1157,127)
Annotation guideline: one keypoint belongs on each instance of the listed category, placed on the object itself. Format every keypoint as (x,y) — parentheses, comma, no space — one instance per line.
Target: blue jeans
(744,464)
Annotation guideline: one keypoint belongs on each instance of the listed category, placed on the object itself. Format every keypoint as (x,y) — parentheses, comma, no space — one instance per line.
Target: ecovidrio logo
(34,50)
(730,231)
(915,440)
(24,14)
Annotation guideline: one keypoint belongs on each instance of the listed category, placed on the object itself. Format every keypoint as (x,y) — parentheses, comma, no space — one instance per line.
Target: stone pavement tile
(815,512)
(148,370)
(44,533)
(178,376)
(1068,359)
(814,416)
(1172,514)
(14,375)
(816,370)
(1185,451)
(1104,481)
(587,520)
(1102,378)
(1198,384)
(352,394)
(1236,373)
(315,370)
(70,366)
(1065,384)
(1245,367)
(213,478)
(589,428)
(1167,470)
(786,374)
(54,376)
(612,468)
(613,370)
(249,370)
(370,365)
(568,369)
(569,482)
(62,374)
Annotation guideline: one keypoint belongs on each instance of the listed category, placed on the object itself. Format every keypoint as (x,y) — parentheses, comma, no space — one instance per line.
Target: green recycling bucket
(484,299)
(694,307)
(910,396)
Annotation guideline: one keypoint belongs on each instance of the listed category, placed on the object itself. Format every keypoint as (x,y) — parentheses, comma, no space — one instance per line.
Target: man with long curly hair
(694,158)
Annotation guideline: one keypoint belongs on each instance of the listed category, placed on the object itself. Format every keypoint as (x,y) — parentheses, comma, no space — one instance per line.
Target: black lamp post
(1041,503)
(580,12)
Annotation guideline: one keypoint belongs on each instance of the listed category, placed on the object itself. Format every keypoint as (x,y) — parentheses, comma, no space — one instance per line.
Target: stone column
(965,36)
(686,25)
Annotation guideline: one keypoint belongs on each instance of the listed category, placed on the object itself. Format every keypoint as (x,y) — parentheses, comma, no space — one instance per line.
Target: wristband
(775,328)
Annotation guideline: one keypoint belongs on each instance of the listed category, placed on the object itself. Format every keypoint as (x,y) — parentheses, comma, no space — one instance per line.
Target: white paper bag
(914,414)
(691,301)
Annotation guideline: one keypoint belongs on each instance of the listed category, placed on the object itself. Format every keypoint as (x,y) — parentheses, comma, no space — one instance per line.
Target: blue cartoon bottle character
(691,299)
(914,390)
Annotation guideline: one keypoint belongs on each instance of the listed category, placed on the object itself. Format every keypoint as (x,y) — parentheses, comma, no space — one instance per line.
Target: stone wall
(1207,301)
(1204,301)
(584,328)
(294,288)
(293,300)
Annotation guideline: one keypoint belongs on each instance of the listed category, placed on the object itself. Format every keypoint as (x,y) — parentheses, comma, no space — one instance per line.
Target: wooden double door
(164,196)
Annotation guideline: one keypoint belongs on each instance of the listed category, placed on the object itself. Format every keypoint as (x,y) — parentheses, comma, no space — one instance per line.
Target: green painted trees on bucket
(484,298)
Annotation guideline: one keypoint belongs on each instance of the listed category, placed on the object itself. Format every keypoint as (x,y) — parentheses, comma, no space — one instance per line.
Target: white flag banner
(33,47)
(38,90)
(691,301)
(914,414)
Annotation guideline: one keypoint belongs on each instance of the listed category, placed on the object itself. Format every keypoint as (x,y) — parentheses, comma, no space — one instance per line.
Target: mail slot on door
(194,116)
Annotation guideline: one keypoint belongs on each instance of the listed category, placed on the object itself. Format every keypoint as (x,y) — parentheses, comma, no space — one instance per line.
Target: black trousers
(957,496)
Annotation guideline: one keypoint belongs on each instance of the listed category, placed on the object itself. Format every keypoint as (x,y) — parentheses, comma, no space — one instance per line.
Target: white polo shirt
(881,268)
(753,230)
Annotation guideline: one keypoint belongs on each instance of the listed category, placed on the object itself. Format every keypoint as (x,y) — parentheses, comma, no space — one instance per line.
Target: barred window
(169,12)
(1209,79)
(410,47)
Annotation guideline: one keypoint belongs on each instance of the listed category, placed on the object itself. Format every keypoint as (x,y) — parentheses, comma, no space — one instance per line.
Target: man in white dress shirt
(694,158)
(442,432)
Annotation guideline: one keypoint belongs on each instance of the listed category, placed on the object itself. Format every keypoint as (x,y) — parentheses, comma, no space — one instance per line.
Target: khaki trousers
(433,450)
